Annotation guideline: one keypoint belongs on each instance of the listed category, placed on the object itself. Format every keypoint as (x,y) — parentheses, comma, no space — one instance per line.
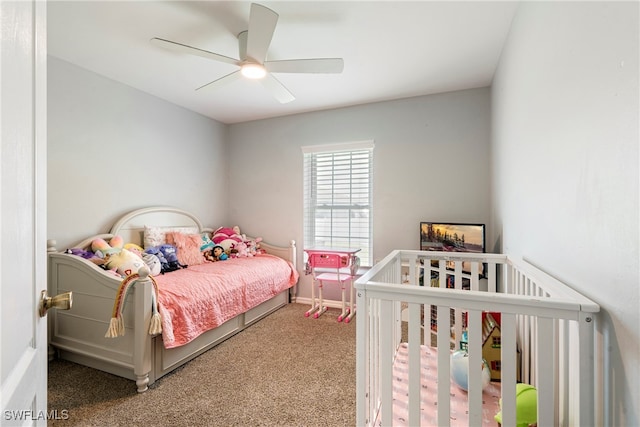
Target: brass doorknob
(61,302)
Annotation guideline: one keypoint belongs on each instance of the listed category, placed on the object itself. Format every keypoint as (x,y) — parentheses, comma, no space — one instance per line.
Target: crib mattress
(459,415)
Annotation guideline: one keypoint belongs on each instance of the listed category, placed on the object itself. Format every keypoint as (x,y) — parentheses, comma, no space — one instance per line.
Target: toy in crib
(460,370)
(491,342)
(526,406)
(345,263)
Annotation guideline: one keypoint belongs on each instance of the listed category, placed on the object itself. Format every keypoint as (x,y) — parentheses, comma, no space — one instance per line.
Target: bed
(418,308)
(246,290)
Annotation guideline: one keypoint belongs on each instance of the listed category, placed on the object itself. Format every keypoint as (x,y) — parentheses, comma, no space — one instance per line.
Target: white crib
(547,338)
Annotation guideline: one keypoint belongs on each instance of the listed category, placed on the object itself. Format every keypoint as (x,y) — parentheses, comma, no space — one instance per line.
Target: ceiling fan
(253,47)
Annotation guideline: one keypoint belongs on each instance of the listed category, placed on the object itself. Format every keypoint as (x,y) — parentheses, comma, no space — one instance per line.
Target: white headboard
(131,228)
(131,225)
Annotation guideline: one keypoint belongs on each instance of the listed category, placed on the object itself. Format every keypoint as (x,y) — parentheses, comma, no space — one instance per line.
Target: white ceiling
(391,50)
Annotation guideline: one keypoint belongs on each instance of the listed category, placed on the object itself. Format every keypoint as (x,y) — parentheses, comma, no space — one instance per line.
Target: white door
(23,158)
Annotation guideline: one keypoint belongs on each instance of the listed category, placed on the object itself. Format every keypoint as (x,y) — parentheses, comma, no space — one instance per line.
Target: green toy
(526,406)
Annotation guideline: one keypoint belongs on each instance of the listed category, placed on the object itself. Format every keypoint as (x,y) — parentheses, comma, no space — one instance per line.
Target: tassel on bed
(112,332)
(155,326)
(116,324)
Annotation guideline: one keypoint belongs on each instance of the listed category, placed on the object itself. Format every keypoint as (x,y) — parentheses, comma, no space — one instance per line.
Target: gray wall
(565,165)
(112,149)
(431,162)
(554,143)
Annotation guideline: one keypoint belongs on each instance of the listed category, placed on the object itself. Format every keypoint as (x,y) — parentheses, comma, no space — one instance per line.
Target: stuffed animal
(226,237)
(170,254)
(80,252)
(132,247)
(88,255)
(216,253)
(103,249)
(167,257)
(240,250)
(125,262)
(155,251)
(152,261)
(219,254)
(246,247)
(207,244)
(116,257)
(253,246)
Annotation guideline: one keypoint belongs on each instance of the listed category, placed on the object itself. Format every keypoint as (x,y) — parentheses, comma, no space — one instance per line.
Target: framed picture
(452,237)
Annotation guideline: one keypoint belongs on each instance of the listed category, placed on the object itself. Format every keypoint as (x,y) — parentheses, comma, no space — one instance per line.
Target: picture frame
(453,237)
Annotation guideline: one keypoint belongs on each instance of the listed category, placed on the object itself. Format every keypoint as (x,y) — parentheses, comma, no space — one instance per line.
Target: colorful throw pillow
(156,236)
(188,247)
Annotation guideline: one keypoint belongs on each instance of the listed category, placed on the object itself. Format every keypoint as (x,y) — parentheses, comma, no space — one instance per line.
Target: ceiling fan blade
(277,89)
(262,24)
(318,65)
(222,81)
(183,48)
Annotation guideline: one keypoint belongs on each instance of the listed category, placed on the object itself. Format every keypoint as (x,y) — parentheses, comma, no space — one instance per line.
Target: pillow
(188,247)
(155,236)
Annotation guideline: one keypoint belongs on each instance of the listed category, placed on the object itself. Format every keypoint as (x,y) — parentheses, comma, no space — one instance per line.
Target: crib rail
(431,298)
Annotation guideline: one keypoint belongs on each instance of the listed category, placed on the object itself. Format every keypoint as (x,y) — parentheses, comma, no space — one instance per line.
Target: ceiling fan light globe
(253,71)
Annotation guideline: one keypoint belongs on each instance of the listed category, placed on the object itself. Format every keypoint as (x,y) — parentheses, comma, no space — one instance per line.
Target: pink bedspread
(201,297)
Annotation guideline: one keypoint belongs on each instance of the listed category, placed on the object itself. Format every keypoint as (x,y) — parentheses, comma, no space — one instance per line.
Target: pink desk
(338,265)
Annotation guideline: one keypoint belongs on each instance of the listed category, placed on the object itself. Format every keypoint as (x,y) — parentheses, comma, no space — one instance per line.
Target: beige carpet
(286,370)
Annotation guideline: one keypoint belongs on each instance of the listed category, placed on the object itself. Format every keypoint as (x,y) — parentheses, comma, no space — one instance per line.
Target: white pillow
(156,236)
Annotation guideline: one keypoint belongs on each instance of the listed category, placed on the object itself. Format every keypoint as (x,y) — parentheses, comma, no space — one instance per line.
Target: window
(337,197)
(496,342)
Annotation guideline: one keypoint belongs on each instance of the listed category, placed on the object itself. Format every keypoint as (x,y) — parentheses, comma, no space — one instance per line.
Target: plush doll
(253,246)
(80,252)
(219,253)
(247,247)
(207,243)
(152,261)
(208,255)
(132,247)
(88,255)
(167,257)
(169,252)
(116,257)
(103,249)
(226,237)
(239,250)
(125,262)
(155,251)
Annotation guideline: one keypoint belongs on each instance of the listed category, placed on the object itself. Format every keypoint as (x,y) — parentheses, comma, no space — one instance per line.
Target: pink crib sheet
(459,415)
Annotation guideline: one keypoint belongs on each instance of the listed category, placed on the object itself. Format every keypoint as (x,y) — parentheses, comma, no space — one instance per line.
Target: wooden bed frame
(548,337)
(78,335)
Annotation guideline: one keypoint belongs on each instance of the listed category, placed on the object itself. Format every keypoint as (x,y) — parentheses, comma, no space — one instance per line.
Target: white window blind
(337,197)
